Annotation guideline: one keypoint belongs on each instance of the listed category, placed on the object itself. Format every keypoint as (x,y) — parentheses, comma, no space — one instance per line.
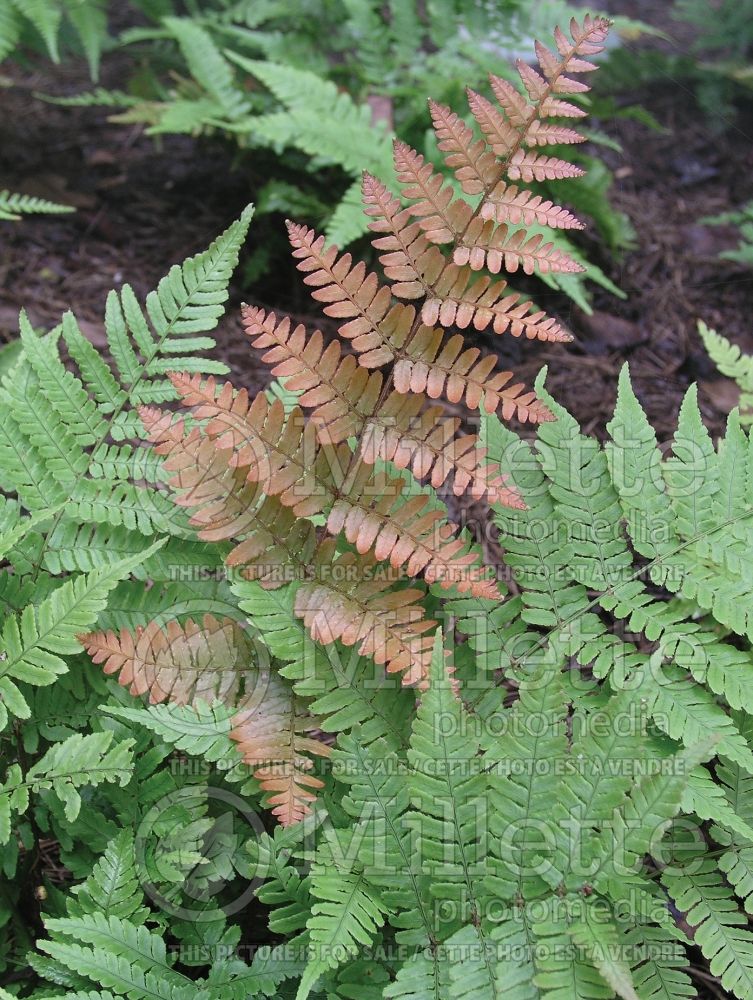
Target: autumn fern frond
(191,663)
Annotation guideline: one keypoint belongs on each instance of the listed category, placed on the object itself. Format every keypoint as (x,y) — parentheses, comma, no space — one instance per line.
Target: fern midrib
(344,911)
(386,718)
(53,441)
(113,879)
(500,173)
(57,775)
(137,381)
(459,840)
(407,866)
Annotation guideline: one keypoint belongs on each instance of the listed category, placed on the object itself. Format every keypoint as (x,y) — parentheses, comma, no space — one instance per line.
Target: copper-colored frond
(347,289)
(273,546)
(419,269)
(277,450)
(271,736)
(509,203)
(351,602)
(494,246)
(201,475)
(459,300)
(586,39)
(543,134)
(512,102)
(426,442)
(439,366)
(351,293)
(177,663)
(472,161)
(224,505)
(537,167)
(499,132)
(442,217)
(341,393)
(410,532)
(184,664)
(411,262)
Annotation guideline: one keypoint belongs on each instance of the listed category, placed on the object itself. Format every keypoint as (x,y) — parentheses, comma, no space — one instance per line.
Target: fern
(502,817)
(319,86)
(731,362)
(14,206)
(33,642)
(43,21)
(79,760)
(699,889)
(112,888)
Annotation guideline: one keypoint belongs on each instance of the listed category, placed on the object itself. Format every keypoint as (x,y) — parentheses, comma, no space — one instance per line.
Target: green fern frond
(709,800)
(598,940)
(449,807)
(55,448)
(79,760)
(731,361)
(51,21)
(113,887)
(97,98)
(640,823)
(345,916)
(114,971)
(699,890)
(202,730)
(658,961)
(319,119)
(34,642)
(13,206)
(117,936)
(285,889)
(635,466)
(522,797)
(377,799)
(421,975)
(208,66)
(46,17)
(326,124)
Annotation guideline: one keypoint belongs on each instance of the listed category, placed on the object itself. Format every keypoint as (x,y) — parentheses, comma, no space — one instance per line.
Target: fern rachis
(502,837)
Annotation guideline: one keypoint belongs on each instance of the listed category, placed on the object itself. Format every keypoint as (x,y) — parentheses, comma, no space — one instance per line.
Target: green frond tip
(731,361)
(113,887)
(13,206)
